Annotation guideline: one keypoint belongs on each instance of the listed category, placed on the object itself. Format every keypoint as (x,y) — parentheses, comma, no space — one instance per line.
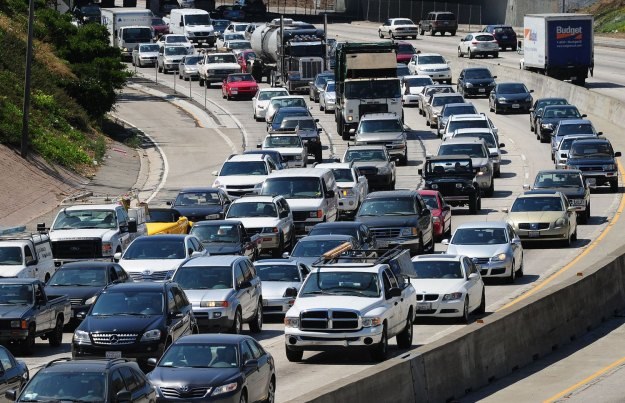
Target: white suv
(241,174)
(431,64)
(290,145)
(353,187)
(268,216)
(468,121)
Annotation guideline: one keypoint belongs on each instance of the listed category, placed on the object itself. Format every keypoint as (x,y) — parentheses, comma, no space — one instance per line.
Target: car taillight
(473,42)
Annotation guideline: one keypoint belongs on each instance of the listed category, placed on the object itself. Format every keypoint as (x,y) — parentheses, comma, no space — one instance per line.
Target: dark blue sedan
(202,203)
(13,374)
(508,97)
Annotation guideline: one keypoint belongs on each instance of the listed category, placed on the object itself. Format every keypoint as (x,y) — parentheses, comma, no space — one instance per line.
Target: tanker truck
(292,58)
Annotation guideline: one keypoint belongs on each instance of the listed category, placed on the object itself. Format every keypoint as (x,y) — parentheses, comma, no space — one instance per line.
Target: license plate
(113,354)
(516,105)
(534,234)
(481,90)
(234,91)
(201,41)
(504,37)
(424,306)
(382,244)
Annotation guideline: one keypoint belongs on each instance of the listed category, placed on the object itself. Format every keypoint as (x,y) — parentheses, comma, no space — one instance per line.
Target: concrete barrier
(482,352)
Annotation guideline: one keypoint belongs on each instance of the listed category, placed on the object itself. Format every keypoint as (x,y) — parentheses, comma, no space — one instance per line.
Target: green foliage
(610,20)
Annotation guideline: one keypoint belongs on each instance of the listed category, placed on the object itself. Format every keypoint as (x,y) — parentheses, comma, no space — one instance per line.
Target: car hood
(192,377)
(388,221)
(568,192)
(196,296)
(479,81)
(69,234)
(589,161)
(360,304)
(388,136)
(437,66)
(73,292)
(375,164)
(151,265)
(535,216)
(287,150)
(437,285)
(197,211)
(257,222)
(276,289)
(120,324)
(199,28)
(222,248)
(235,66)
(240,180)
(514,97)
(304,204)
(11,270)
(477,250)
(13,311)
(148,54)
(263,103)
(479,162)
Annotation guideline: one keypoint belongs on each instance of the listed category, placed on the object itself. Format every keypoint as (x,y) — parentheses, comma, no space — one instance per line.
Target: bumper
(293,163)
(213,319)
(216,78)
(600,177)
(203,41)
(513,106)
(439,309)
(411,100)
(268,241)
(477,90)
(495,269)
(300,340)
(191,74)
(277,306)
(379,180)
(330,105)
(260,113)
(8,335)
(170,66)
(556,234)
(147,62)
(438,75)
(348,205)
(136,351)
(242,93)
(405,243)
(561,164)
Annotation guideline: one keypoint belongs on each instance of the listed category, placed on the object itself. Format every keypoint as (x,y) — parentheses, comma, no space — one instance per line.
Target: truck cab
(26,255)
(195,24)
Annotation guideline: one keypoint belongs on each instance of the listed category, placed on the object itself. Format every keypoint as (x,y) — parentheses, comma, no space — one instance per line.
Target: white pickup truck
(352,303)
(25,255)
(215,67)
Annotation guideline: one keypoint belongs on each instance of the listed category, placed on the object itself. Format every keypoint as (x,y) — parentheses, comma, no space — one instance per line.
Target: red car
(441,212)
(405,50)
(239,85)
(159,27)
(243,57)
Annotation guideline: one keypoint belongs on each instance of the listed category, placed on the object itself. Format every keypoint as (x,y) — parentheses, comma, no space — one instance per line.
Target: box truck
(194,23)
(127,28)
(559,45)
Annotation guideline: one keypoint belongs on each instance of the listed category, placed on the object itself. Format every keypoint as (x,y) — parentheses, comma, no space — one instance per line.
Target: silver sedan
(282,279)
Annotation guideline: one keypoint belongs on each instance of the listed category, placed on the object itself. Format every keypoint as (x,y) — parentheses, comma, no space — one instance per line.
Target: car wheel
(391,34)
(496,55)
(160,69)
(256,325)
(447,232)
(519,272)
(432,32)
(379,352)
(614,186)
(482,308)
(496,110)
(471,55)
(404,339)
(465,311)
(237,324)
(294,355)
(422,32)
(380,34)
(321,107)
(491,189)
(133,62)
(490,106)
(55,338)
(276,253)
(271,391)
(201,81)
(243,398)
(459,52)
(28,344)
(453,33)
(512,275)
(319,155)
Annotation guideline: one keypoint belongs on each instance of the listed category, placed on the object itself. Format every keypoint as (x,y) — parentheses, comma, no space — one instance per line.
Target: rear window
(504,30)
(484,38)
(445,17)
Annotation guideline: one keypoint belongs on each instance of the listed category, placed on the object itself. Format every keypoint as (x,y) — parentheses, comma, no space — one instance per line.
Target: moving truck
(128,27)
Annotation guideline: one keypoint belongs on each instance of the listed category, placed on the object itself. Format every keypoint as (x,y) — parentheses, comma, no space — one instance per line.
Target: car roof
(292,108)
(468,116)
(476,68)
(218,260)
(480,33)
(339,224)
(449,157)
(86,265)
(510,82)
(287,97)
(365,147)
(380,116)
(331,165)
(428,192)
(326,237)
(416,76)
(483,224)
(208,223)
(568,106)
(575,121)
(539,193)
(437,256)
(458,104)
(111,206)
(463,140)
(552,99)
(285,262)
(479,130)
(247,157)
(297,117)
(18,280)
(558,171)
(255,199)
(429,54)
(271,89)
(295,172)
(446,94)
(198,189)
(387,193)
(67,365)
(140,286)
(590,140)
(158,237)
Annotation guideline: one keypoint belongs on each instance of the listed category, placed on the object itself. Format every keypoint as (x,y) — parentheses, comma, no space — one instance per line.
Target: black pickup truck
(26,312)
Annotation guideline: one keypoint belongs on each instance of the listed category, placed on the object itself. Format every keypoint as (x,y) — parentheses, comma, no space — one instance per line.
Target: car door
(249,272)
(460,83)
(392,303)
(46,319)
(425,221)
(122,224)
(252,374)
(10,378)
(243,294)
(515,244)
(445,211)
(132,383)
(174,319)
(472,285)
(264,367)
(184,307)
(466,43)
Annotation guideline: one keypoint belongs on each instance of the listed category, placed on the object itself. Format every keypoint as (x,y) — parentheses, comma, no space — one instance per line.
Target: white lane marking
(523,157)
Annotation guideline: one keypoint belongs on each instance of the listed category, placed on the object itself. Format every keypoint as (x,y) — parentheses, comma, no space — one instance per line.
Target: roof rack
(55,361)
(368,257)
(20,233)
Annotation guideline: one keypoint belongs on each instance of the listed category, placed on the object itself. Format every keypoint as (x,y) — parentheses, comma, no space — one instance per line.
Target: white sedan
(397,28)
(327,97)
(411,87)
(261,100)
(448,286)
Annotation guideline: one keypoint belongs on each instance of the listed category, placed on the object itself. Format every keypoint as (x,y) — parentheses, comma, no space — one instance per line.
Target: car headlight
(107,248)
(436,219)
(434,186)
(350,118)
(408,231)
(20,324)
(218,184)
(482,171)
(315,214)
(371,322)
(458,185)
(90,300)
(220,390)
(561,222)
(452,297)
(468,85)
(546,125)
(501,99)
(210,71)
(499,258)
(81,337)
(528,99)
(151,335)
(214,304)
(291,322)
(347,192)
(384,171)
(608,167)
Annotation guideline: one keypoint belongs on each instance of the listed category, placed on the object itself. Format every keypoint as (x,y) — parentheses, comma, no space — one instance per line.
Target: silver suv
(224,291)
(478,151)
(384,129)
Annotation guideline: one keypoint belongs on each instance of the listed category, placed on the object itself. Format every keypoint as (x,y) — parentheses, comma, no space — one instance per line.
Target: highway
(194,146)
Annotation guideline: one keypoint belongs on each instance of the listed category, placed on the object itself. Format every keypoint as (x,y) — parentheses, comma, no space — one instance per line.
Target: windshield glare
(440,167)
(365,155)
(243,168)
(380,126)
(79,276)
(200,356)
(16,294)
(511,89)
(523,204)
(439,101)
(459,110)
(252,209)
(227,233)
(154,248)
(274,141)
(84,219)
(427,268)
(197,19)
(343,175)
(341,283)
(387,206)
(314,248)
(176,39)
(266,95)
(148,48)
(417,82)
(197,199)
(176,51)
(551,180)
(204,278)
(583,128)
(57,386)
(11,256)
(126,302)
(294,187)
(472,150)
(278,272)
(479,236)
(302,124)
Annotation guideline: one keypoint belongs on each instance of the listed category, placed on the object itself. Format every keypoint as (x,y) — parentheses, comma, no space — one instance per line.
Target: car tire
(421,31)
(277,252)
(490,107)
(404,339)
(380,34)
(293,355)
(471,55)
(491,189)
(465,311)
(256,325)
(460,52)
(414,36)
(512,275)
(319,156)
(271,391)
(520,273)
(614,186)
(453,33)
(55,337)
(27,346)
(482,308)
(321,107)
(447,232)
(379,352)
(473,205)
(201,81)
(496,55)
(237,323)
(432,32)
(160,69)
(391,35)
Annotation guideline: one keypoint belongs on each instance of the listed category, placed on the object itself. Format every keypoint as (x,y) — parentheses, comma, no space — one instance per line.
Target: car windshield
(322,79)
(459,110)
(343,175)
(204,355)
(446,99)
(16,294)
(330,87)
(228,233)
(277,141)
(204,278)
(403,71)
(192,60)
(155,248)
(488,138)
(417,81)
(432,59)
(220,25)
(84,219)
(477,74)
(380,126)
(78,276)
(558,180)
(405,48)
(379,88)
(231,168)
(11,256)
(484,38)
(128,303)
(316,247)
(252,209)
(561,112)
(197,19)
(572,129)
(547,203)
(278,272)
(442,167)
(176,39)
(387,206)
(197,199)
(403,22)
(512,88)
(479,236)
(229,58)
(239,45)
(71,386)
(280,115)
(341,283)
(590,150)
(302,124)
(293,187)
(472,150)
(467,124)
(430,268)
(565,144)
(149,48)
(176,50)
(438,90)
(267,95)
(545,102)
(430,201)
(365,155)
(240,27)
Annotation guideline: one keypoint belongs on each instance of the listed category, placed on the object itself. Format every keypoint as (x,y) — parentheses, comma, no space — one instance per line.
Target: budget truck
(559,45)
(366,82)
(127,28)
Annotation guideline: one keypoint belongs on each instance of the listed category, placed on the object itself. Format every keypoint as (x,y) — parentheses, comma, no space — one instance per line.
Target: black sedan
(538,107)
(550,117)
(216,367)
(13,374)
(510,97)
(82,281)
(226,237)
(315,87)
(475,81)
(199,204)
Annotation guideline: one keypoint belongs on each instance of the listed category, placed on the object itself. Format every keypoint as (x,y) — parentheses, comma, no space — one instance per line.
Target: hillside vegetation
(75,77)
(609,16)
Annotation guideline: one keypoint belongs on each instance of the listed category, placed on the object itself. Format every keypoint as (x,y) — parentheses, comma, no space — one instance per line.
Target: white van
(26,256)
(312,194)
(194,23)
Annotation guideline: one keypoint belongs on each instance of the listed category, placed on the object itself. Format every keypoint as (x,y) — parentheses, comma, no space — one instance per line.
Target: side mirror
(317,120)
(132,226)
(617,154)
(526,187)
(181,24)
(330,194)
(169,203)
(32,262)
(319,130)
(196,253)
(123,396)
(420,171)
(290,292)
(117,256)
(394,292)
(445,242)
(531,90)
(494,76)
(505,210)
(599,133)
(532,109)
(151,362)
(502,145)
(285,255)
(584,115)
(245,284)
(571,209)
(473,276)
(259,145)
(251,364)
(215,173)
(427,212)
(11,394)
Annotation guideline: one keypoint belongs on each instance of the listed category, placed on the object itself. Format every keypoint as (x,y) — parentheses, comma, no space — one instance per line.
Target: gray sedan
(282,279)
(187,68)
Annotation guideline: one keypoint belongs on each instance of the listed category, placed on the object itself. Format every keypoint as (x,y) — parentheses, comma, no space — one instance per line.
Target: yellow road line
(572,263)
(585,381)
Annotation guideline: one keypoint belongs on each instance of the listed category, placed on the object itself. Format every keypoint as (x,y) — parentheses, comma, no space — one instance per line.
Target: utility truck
(127,28)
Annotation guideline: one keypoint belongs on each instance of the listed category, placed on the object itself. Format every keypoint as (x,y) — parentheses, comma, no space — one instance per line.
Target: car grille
(427,297)
(329,320)
(114,339)
(368,171)
(253,231)
(481,260)
(449,189)
(534,226)
(237,187)
(302,215)
(226,71)
(310,68)
(154,276)
(89,248)
(590,168)
(372,108)
(381,233)
(188,393)
(76,301)
(202,33)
